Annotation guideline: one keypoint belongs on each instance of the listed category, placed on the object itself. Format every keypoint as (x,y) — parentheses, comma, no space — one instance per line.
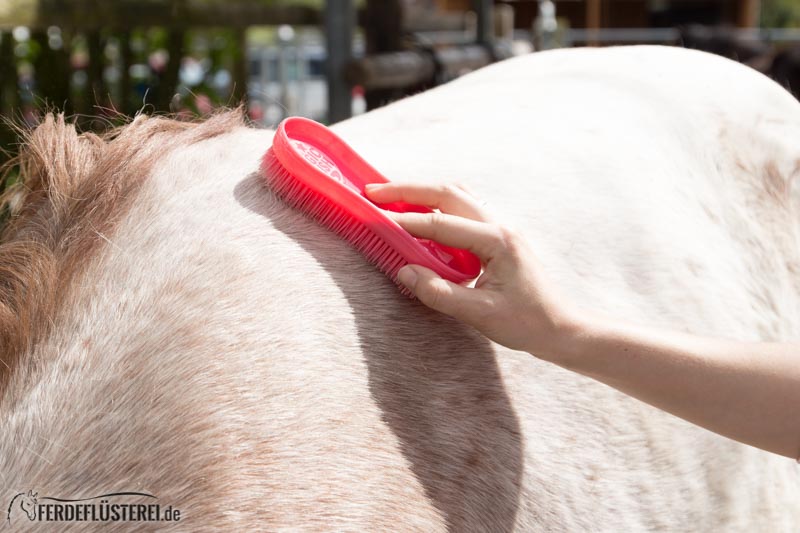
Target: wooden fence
(94,23)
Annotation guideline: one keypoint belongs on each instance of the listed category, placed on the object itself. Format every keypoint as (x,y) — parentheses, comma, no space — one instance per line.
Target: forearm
(749,392)
(746,391)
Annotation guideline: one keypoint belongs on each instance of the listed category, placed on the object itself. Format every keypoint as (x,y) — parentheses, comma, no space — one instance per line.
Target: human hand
(512,303)
(722,385)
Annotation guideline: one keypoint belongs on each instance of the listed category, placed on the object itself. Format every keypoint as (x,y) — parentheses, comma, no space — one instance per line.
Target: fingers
(480,238)
(444,296)
(451,199)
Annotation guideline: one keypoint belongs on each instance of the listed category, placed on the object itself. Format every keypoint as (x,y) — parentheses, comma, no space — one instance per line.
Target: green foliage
(780,14)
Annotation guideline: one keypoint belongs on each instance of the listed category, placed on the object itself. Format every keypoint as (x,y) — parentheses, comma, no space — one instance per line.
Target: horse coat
(220,351)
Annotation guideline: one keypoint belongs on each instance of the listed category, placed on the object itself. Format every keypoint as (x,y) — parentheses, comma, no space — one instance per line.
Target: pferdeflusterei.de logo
(111,507)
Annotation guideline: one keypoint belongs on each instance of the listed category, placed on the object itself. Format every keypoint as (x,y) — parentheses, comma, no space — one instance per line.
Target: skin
(747,391)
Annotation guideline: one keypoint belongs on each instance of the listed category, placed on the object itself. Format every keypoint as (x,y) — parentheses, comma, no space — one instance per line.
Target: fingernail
(407,276)
(370,186)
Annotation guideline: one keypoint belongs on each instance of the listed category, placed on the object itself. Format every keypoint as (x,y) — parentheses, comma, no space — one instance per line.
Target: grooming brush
(315,171)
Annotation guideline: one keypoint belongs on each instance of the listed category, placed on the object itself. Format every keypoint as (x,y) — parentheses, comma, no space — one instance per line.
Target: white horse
(213,347)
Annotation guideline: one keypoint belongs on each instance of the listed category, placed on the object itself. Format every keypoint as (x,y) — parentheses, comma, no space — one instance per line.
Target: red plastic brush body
(314,170)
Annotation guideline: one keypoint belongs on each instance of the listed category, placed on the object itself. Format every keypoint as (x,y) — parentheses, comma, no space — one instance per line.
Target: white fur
(249,368)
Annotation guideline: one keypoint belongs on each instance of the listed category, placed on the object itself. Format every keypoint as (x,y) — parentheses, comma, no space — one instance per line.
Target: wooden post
(749,11)
(9,89)
(504,22)
(339,23)
(126,60)
(63,71)
(9,94)
(169,79)
(52,74)
(98,95)
(484,33)
(239,93)
(383,28)
(593,21)
(43,67)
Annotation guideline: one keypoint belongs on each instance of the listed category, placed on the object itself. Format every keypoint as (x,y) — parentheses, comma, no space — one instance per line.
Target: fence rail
(671,35)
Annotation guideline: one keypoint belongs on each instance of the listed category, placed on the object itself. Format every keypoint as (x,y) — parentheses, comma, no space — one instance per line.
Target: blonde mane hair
(73,189)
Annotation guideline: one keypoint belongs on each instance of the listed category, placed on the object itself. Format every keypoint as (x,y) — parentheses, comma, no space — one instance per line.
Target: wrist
(572,338)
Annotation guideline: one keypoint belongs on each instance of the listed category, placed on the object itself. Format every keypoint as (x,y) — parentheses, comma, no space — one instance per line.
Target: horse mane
(72,191)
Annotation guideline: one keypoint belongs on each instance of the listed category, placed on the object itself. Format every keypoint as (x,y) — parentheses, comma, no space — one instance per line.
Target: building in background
(101,59)
(631,13)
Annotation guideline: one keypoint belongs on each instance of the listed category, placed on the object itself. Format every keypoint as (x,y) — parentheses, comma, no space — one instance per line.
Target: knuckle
(431,295)
(437,218)
(461,188)
(488,305)
(496,237)
(479,310)
(437,221)
(447,189)
(508,238)
(483,307)
(435,298)
(457,190)
(503,241)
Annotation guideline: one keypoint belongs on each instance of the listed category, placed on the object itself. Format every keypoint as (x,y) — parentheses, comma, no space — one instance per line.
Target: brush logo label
(26,507)
(322,162)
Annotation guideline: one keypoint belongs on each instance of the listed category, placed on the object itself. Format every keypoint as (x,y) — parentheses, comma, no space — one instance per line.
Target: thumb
(438,293)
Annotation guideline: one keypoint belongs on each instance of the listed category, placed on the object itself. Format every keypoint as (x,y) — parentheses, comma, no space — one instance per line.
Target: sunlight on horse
(167,325)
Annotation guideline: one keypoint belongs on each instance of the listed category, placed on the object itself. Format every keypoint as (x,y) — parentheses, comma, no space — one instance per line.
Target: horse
(169,325)
(27,502)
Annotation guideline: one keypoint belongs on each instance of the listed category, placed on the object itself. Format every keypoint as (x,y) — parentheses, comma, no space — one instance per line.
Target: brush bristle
(321,209)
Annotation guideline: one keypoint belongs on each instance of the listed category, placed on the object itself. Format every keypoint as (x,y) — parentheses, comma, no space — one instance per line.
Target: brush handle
(312,154)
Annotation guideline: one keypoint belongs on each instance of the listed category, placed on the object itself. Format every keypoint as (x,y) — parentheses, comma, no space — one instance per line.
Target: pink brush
(315,171)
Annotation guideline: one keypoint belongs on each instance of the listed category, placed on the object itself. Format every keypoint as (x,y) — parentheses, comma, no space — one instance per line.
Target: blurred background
(98,60)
